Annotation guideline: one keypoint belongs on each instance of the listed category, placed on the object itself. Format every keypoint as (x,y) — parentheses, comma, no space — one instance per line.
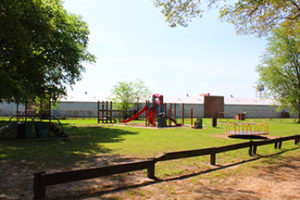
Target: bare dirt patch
(279,180)
(276,177)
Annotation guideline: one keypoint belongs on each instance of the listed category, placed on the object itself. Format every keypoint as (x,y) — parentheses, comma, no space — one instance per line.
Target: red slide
(135,116)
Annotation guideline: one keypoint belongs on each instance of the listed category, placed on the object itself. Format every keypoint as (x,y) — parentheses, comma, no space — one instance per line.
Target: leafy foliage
(179,12)
(280,69)
(127,93)
(260,17)
(249,16)
(123,95)
(141,91)
(42,48)
(41,105)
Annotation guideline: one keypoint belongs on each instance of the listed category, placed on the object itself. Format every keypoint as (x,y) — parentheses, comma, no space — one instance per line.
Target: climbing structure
(155,113)
(31,125)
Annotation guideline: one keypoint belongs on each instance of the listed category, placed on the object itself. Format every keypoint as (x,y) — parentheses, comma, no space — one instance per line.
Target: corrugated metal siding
(89,109)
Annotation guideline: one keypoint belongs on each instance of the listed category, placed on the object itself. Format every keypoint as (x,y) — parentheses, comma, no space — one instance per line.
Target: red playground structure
(156,113)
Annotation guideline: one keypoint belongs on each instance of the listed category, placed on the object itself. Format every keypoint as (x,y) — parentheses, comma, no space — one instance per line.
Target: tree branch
(295,4)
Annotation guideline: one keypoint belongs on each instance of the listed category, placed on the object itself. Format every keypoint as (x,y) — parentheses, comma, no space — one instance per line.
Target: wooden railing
(42,179)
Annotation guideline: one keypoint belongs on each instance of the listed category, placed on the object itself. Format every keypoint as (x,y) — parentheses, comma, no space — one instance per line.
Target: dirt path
(269,179)
(274,177)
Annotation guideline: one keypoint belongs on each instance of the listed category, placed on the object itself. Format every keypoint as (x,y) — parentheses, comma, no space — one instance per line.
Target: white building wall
(76,109)
(10,109)
(89,109)
(252,111)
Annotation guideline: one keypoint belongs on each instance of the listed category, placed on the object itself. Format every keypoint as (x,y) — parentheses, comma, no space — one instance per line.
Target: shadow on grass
(155,181)
(82,144)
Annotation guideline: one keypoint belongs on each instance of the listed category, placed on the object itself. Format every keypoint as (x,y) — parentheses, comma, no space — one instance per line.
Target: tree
(280,69)
(127,93)
(249,16)
(123,95)
(42,49)
(141,92)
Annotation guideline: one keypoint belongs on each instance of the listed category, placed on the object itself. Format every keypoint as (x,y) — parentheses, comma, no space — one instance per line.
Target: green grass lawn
(89,139)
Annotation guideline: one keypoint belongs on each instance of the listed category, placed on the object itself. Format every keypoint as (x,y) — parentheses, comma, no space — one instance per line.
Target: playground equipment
(105,112)
(246,130)
(156,114)
(28,125)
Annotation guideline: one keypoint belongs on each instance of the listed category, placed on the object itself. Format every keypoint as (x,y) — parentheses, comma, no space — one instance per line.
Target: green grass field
(89,139)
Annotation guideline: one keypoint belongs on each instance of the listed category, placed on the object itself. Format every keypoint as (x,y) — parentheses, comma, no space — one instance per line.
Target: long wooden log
(76,175)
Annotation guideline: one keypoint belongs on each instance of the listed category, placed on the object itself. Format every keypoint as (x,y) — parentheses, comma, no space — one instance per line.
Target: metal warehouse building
(226,107)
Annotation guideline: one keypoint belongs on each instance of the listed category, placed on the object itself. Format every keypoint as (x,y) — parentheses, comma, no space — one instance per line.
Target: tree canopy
(42,49)
(125,94)
(248,16)
(141,91)
(280,69)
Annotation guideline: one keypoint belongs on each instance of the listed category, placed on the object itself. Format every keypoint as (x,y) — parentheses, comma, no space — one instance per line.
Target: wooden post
(175,111)
(146,118)
(98,110)
(213,158)
(170,114)
(250,152)
(183,114)
(39,187)
(106,111)
(166,110)
(102,112)
(254,149)
(111,112)
(154,113)
(214,122)
(280,144)
(151,170)
(276,145)
(192,115)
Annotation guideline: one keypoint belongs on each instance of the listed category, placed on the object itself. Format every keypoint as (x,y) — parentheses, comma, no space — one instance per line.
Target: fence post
(106,111)
(151,170)
(279,146)
(110,112)
(254,149)
(182,114)
(39,187)
(102,112)
(276,145)
(250,152)
(192,115)
(213,158)
(98,108)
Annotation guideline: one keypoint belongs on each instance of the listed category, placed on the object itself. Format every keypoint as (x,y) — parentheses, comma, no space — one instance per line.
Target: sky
(132,40)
